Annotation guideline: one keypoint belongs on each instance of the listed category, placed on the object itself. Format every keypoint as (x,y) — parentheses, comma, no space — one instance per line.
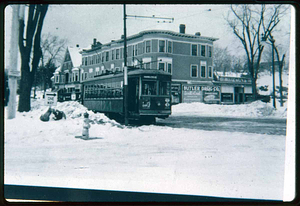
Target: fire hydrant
(86,126)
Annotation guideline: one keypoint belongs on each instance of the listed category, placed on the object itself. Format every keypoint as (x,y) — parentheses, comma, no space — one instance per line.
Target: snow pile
(254,109)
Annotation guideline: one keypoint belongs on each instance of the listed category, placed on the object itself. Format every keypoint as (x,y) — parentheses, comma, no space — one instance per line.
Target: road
(230,124)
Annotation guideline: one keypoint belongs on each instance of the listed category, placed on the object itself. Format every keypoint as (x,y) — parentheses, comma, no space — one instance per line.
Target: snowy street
(231,124)
(152,158)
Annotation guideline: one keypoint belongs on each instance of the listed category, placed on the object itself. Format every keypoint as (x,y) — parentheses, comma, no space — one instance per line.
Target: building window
(147,65)
(57,79)
(194,49)
(161,66)
(117,53)
(132,50)
(136,50)
(209,72)
(169,68)
(106,56)
(112,54)
(203,50)
(148,46)
(170,47)
(203,71)
(86,60)
(162,45)
(102,56)
(85,75)
(209,51)
(194,71)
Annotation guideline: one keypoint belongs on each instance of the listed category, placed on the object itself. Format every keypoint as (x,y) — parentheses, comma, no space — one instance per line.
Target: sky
(80,24)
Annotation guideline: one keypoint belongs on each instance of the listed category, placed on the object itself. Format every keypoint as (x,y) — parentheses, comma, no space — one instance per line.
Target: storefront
(234,90)
(189,92)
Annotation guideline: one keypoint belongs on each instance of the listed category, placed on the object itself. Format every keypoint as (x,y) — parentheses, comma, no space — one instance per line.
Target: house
(66,77)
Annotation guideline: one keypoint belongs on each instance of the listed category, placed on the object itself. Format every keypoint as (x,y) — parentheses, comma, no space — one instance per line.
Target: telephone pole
(13,73)
(125,88)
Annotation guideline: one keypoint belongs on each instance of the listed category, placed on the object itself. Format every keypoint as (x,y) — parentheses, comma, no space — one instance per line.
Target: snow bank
(252,110)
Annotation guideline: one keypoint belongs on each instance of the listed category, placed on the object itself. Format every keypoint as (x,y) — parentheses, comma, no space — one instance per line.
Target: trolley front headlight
(167,102)
(146,103)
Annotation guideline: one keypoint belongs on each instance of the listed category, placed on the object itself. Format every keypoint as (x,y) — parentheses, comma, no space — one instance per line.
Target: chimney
(95,40)
(197,34)
(182,28)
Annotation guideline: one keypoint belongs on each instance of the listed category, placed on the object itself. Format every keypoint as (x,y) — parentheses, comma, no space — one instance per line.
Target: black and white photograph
(196,100)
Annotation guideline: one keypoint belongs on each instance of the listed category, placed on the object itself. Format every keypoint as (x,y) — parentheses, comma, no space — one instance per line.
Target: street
(230,124)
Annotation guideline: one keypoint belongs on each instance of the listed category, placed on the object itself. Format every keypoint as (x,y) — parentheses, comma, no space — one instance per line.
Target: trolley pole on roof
(125,87)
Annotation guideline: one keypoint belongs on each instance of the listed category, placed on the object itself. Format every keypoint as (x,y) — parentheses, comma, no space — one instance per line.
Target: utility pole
(125,86)
(13,73)
(273,67)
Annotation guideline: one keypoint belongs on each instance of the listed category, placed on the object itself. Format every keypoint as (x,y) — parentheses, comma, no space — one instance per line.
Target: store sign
(235,79)
(50,99)
(191,88)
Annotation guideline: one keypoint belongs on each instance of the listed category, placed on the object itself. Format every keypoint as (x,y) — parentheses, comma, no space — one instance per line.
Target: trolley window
(164,88)
(149,87)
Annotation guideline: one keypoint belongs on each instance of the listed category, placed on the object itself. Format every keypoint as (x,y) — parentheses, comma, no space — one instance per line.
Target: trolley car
(149,95)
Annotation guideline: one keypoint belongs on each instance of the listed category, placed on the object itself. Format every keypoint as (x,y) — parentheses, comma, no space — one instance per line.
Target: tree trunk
(25,90)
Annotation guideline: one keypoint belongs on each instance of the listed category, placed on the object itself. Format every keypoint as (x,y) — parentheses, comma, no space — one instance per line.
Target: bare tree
(28,44)
(249,23)
(222,59)
(52,54)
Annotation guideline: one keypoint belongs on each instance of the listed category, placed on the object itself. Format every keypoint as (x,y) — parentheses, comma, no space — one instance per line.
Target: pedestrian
(45,117)
(58,115)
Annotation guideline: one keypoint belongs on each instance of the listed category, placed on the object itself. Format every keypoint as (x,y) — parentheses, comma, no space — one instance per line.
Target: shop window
(194,71)
(194,49)
(203,50)
(162,45)
(226,97)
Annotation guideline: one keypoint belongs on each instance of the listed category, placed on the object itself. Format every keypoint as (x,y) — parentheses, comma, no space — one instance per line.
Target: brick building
(189,58)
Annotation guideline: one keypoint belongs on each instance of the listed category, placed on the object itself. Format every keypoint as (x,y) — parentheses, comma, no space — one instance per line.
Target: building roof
(75,56)
(57,70)
(140,34)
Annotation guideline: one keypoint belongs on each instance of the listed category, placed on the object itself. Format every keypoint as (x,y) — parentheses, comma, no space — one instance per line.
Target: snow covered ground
(147,158)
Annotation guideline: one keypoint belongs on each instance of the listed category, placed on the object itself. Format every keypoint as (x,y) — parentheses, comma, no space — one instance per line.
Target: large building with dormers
(188,57)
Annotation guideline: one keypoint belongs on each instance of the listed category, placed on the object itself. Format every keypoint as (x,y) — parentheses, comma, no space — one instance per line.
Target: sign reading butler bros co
(50,99)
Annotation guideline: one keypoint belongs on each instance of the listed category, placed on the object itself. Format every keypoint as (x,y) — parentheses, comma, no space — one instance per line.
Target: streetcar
(149,95)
